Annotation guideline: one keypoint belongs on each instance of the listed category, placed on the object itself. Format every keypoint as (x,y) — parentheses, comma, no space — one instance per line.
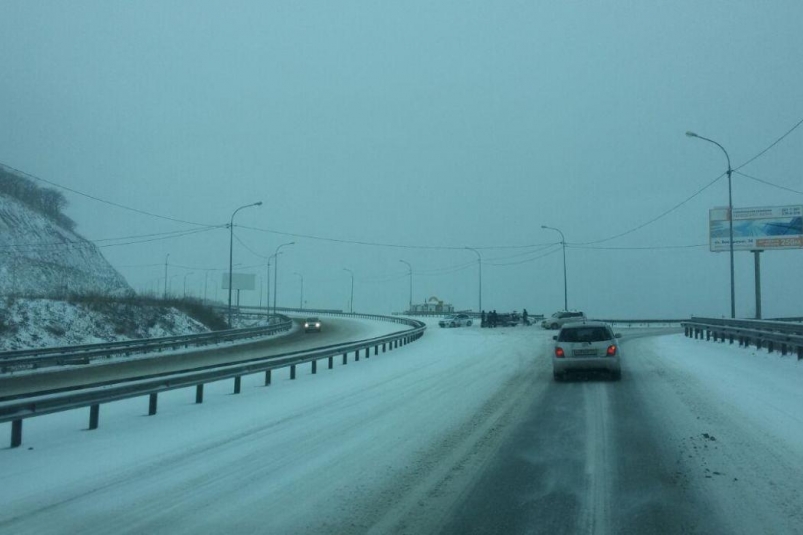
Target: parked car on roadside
(456,320)
(590,345)
(557,319)
(312,325)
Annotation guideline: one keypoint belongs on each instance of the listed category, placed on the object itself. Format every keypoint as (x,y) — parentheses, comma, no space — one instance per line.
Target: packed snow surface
(381,444)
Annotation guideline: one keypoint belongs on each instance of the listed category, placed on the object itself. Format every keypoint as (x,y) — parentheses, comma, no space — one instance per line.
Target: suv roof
(581,324)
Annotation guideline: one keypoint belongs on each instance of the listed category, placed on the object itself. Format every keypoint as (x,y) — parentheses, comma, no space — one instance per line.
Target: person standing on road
(525,317)
(482,319)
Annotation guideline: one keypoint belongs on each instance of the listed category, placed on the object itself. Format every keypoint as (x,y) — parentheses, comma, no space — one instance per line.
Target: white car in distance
(456,320)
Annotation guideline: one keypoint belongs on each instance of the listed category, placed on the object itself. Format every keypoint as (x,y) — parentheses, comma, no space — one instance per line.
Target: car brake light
(611,351)
(559,352)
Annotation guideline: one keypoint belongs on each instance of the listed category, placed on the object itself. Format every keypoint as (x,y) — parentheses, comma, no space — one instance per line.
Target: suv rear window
(585,334)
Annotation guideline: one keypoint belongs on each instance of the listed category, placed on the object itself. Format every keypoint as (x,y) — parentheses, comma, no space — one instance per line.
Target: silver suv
(557,319)
(586,346)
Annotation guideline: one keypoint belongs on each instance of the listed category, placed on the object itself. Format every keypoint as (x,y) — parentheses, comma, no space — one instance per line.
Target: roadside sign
(761,228)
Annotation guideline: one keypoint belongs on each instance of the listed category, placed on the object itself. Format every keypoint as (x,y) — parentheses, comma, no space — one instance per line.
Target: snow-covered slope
(43,258)
(45,264)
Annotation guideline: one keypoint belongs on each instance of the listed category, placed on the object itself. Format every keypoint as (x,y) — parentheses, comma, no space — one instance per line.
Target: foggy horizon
(375,134)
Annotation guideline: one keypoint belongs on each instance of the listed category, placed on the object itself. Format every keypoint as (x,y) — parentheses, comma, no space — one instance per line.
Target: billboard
(762,228)
(239,281)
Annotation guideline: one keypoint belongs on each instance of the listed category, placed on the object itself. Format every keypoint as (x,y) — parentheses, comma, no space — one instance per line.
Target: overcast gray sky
(437,124)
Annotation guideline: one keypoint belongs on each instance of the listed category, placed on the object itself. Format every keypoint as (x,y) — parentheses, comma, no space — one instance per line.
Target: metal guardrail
(637,321)
(16,410)
(82,354)
(782,336)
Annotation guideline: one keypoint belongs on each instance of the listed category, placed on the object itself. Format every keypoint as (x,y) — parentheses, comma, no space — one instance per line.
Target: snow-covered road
(461,431)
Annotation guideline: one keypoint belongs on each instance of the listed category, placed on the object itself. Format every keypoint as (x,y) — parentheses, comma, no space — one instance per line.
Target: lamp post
(276,272)
(267,293)
(231,248)
(479,265)
(185,282)
(730,216)
(351,300)
(301,297)
(170,285)
(410,305)
(164,296)
(565,287)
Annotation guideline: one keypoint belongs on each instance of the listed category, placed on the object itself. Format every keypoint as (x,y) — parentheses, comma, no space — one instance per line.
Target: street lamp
(301,298)
(165,292)
(267,302)
(276,272)
(479,265)
(410,306)
(185,282)
(730,216)
(565,288)
(170,286)
(231,248)
(351,301)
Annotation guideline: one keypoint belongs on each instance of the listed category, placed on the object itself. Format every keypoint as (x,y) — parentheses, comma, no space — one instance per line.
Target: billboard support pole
(757,255)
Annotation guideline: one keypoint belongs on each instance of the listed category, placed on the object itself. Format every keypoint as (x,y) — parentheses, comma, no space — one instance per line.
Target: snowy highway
(463,431)
(336,330)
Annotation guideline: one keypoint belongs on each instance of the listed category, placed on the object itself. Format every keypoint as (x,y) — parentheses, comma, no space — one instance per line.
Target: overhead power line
(104,201)
(768,183)
(99,242)
(637,248)
(771,145)
(391,245)
(656,218)
(675,207)
(186,233)
(557,248)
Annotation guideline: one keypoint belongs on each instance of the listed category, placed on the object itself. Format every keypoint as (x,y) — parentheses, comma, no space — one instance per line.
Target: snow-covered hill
(40,256)
(55,286)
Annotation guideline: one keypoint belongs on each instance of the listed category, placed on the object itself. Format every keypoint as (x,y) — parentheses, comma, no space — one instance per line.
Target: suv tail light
(611,351)
(559,352)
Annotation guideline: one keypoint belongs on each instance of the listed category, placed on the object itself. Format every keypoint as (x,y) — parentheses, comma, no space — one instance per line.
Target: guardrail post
(368,352)
(707,334)
(331,362)
(345,358)
(783,349)
(357,355)
(199,393)
(267,377)
(94,416)
(770,346)
(383,347)
(152,402)
(314,366)
(293,371)
(376,350)
(16,433)
(237,384)
(800,353)
(731,338)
